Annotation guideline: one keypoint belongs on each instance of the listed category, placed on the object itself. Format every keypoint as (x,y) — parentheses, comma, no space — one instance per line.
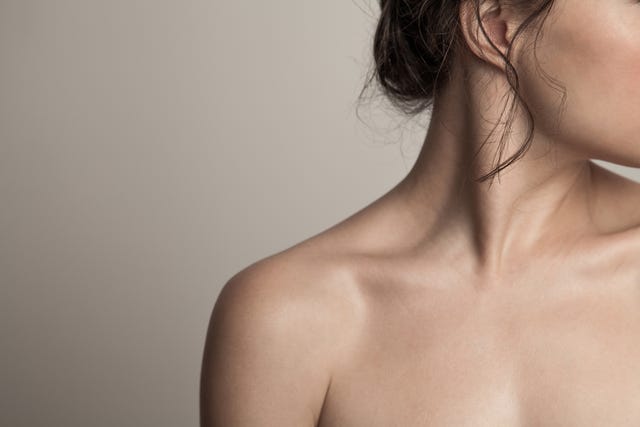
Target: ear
(498,23)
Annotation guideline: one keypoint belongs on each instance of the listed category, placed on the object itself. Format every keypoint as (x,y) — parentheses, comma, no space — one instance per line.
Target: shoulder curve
(305,294)
(282,317)
(294,280)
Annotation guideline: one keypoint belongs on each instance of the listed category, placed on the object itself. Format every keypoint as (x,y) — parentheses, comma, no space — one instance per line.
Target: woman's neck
(543,197)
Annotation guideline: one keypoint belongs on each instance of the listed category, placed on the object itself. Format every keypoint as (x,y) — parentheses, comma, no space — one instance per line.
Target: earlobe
(489,47)
(496,28)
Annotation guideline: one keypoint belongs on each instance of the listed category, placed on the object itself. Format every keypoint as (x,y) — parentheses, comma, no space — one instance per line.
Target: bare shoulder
(274,332)
(298,283)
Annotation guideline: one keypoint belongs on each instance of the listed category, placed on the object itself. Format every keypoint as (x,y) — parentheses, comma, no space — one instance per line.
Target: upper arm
(263,363)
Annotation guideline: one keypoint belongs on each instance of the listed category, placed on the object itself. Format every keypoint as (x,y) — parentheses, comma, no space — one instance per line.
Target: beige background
(148,151)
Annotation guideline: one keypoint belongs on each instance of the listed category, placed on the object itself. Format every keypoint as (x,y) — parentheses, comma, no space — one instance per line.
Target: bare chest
(442,361)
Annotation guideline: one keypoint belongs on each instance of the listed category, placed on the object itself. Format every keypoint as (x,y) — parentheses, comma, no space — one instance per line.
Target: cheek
(600,71)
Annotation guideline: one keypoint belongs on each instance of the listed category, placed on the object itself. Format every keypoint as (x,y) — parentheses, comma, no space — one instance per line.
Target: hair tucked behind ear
(413,47)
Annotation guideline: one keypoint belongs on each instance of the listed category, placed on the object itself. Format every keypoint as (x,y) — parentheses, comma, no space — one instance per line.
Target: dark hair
(412,52)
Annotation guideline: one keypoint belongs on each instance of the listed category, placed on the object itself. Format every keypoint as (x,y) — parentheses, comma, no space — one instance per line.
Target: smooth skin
(449,303)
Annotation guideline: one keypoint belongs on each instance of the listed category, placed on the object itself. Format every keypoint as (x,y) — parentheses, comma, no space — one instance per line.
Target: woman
(457,299)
